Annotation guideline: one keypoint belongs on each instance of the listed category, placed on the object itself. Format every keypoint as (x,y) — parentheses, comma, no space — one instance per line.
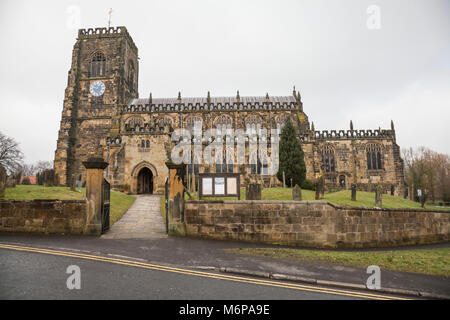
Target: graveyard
(340,197)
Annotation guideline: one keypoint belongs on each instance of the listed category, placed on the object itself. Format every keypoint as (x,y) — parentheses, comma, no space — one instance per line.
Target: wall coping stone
(43,200)
(257,201)
(391,209)
(341,207)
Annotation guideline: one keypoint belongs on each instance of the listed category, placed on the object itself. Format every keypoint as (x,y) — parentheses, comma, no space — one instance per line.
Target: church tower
(103,77)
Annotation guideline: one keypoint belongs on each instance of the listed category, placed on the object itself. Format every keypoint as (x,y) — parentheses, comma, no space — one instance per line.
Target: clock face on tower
(97,88)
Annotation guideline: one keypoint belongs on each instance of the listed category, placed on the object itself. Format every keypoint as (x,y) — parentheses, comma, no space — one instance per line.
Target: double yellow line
(201,274)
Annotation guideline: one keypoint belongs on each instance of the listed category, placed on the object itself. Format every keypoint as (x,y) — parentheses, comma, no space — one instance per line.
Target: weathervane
(110,13)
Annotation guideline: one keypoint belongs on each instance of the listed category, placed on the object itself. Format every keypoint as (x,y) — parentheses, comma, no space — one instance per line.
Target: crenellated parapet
(149,128)
(348,134)
(106,32)
(211,104)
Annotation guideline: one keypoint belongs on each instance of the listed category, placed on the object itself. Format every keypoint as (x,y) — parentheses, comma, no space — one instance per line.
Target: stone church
(104,115)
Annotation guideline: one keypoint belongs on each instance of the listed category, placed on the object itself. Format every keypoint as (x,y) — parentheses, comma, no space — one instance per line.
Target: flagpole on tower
(110,13)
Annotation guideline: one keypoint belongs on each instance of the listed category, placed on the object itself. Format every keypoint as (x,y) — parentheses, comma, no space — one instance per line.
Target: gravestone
(317,189)
(2,181)
(297,193)
(378,196)
(253,191)
(353,192)
(320,187)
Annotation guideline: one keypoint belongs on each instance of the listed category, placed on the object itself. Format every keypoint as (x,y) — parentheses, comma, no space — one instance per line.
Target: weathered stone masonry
(314,224)
(59,216)
(43,216)
(132,133)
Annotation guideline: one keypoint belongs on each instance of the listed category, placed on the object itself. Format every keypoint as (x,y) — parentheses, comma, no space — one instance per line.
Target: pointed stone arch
(142,165)
(135,175)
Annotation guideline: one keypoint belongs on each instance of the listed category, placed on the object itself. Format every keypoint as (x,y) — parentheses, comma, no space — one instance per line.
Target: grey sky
(342,69)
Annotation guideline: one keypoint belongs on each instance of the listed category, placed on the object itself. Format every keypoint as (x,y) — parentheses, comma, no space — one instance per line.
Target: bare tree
(43,165)
(33,169)
(442,167)
(11,156)
(27,169)
(428,171)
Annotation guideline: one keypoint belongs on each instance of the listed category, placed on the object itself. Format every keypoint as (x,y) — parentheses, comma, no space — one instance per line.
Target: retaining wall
(43,216)
(314,224)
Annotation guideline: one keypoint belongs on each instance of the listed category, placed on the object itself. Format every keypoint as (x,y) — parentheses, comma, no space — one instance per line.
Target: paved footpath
(143,220)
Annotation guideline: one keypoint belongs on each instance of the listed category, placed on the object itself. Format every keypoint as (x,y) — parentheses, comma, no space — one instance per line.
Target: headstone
(317,189)
(320,187)
(353,191)
(378,196)
(2,181)
(253,191)
(297,193)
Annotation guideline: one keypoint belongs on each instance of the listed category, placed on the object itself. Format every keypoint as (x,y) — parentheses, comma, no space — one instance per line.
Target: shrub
(307,185)
(26,181)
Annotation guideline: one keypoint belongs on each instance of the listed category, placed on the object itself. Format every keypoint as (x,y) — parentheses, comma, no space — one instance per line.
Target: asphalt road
(192,253)
(28,273)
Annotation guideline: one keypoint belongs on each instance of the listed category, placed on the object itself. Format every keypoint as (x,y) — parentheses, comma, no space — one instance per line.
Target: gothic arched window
(192,121)
(373,154)
(98,65)
(253,125)
(223,125)
(328,161)
(256,166)
(226,166)
(280,121)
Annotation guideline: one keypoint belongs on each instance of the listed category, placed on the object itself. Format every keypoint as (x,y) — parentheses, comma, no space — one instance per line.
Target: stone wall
(43,216)
(314,224)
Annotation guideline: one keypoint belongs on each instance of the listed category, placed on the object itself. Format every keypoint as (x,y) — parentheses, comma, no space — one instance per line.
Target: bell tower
(102,78)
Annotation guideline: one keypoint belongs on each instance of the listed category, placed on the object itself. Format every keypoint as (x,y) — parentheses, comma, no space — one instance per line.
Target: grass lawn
(364,199)
(120,202)
(432,261)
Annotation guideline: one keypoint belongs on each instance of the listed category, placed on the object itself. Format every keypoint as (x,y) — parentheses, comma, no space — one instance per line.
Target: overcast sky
(345,67)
